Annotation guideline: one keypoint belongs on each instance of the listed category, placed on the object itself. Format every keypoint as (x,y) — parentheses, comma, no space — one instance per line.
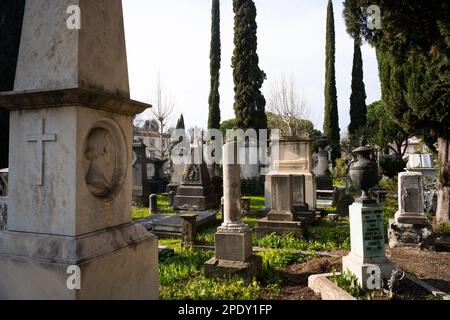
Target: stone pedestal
(367,242)
(410,227)
(188,228)
(233,240)
(69,198)
(282,219)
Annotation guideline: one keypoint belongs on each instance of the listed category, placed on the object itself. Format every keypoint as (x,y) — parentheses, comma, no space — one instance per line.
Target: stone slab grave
(69,198)
(410,226)
(170,225)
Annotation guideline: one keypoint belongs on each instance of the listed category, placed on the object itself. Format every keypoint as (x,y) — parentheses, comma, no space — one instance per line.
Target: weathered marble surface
(70,198)
(53,57)
(67,202)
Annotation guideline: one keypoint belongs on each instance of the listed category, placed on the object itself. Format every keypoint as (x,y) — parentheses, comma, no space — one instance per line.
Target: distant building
(152,140)
(414,145)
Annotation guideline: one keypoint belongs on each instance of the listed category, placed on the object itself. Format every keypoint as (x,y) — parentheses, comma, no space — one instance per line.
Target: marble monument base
(119,263)
(359,266)
(233,254)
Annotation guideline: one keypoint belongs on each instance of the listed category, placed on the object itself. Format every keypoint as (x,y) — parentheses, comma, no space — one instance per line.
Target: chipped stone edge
(433,290)
(320,284)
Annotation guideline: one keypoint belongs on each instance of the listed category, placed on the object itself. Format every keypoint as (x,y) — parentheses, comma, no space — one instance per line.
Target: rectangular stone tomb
(162,224)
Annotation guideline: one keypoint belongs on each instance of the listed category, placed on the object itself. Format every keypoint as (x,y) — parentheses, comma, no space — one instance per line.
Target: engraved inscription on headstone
(40,138)
(373,233)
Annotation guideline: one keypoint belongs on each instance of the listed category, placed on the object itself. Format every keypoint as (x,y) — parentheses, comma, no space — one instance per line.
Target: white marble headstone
(410,192)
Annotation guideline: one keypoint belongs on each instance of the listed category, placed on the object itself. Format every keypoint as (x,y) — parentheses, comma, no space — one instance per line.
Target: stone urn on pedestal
(364,170)
(367,259)
(322,171)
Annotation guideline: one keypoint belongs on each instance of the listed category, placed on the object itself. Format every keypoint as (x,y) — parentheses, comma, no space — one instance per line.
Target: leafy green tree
(384,132)
(11,16)
(358,108)
(331,119)
(413,50)
(227,125)
(214,95)
(249,103)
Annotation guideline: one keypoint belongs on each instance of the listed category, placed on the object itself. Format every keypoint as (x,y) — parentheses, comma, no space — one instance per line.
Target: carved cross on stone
(40,139)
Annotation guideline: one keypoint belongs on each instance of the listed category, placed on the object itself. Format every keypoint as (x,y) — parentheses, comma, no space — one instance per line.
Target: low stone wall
(3,212)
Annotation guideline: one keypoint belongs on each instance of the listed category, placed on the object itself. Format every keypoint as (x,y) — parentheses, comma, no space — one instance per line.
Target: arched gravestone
(69,200)
(11,16)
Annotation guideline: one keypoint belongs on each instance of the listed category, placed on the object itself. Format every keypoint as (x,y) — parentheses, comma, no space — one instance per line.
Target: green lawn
(181,272)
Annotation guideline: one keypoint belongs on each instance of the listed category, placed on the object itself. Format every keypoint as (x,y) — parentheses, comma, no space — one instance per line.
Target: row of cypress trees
(249,103)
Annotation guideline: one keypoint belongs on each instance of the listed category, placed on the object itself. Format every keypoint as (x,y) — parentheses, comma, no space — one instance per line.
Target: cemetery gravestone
(196,191)
(367,259)
(367,242)
(410,226)
(291,186)
(71,112)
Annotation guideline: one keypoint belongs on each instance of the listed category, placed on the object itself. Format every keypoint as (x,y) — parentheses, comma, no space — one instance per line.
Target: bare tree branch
(286,103)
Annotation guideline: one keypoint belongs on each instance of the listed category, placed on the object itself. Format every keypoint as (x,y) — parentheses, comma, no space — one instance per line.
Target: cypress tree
(249,103)
(11,16)
(358,107)
(214,95)
(331,118)
(180,123)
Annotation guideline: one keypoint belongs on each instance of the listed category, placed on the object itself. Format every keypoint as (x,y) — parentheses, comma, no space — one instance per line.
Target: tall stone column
(69,234)
(233,240)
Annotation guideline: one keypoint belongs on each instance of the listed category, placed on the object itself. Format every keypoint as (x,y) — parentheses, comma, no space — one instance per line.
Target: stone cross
(40,139)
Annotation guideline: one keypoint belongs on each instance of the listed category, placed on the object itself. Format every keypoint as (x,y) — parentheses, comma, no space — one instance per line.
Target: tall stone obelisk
(69,232)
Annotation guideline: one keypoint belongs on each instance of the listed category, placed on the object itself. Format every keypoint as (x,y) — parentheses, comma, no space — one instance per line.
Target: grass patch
(349,282)
(202,288)
(443,229)
(183,264)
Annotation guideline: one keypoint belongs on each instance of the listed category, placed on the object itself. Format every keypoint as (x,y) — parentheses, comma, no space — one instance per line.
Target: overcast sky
(172,37)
